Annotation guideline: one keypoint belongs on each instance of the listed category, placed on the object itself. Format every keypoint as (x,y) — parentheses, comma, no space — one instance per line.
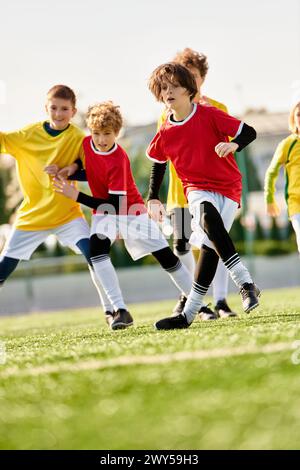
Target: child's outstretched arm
(52,170)
(65,172)
(271,176)
(246,135)
(74,169)
(223,149)
(155,208)
(69,190)
(272,209)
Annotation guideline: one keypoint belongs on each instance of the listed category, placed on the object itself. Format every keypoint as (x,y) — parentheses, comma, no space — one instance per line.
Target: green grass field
(70,383)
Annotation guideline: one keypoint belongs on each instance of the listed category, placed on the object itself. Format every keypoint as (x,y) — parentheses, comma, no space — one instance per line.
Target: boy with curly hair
(118,210)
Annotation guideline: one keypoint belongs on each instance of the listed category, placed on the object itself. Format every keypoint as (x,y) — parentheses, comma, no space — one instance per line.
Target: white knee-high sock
(181,277)
(220,282)
(194,301)
(188,260)
(238,272)
(107,275)
(106,305)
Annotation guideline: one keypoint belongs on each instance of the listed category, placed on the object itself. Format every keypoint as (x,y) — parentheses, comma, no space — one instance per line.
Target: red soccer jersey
(190,145)
(110,173)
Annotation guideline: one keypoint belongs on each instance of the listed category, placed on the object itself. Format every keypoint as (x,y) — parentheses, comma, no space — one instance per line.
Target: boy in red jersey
(118,210)
(194,138)
(177,206)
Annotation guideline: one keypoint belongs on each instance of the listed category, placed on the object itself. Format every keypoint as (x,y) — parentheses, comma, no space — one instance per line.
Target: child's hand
(223,149)
(67,171)
(65,188)
(273,209)
(156,210)
(52,170)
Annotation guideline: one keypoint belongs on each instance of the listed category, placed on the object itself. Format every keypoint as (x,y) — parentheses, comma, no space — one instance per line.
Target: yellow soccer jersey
(33,148)
(176,197)
(287,154)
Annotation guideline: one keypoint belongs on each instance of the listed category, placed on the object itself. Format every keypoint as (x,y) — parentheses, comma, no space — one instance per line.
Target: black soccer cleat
(223,310)
(250,294)
(172,323)
(205,313)
(180,305)
(122,319)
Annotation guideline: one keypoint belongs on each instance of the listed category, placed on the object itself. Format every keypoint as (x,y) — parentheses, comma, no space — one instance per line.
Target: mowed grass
(70,383)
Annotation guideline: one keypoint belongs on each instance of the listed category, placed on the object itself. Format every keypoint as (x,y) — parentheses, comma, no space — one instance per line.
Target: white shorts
(22,243)
(141,235)
(226,207)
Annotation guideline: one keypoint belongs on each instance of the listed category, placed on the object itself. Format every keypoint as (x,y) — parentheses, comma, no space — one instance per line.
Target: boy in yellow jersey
(40,150)
(287,155)
(177,205)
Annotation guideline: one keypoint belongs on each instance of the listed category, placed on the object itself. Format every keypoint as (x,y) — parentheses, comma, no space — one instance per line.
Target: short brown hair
(63,92)
(292,124)
(172,73)
(190,58)
(104,116)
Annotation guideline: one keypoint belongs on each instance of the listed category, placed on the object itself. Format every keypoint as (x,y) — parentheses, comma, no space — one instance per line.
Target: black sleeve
(157,174)
(245,137)
(79,175)
(113,200)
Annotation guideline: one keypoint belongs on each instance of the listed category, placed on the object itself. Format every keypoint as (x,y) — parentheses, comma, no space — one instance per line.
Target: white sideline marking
(147,360)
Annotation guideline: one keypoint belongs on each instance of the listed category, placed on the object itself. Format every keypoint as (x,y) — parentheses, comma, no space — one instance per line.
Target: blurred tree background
(274,241)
